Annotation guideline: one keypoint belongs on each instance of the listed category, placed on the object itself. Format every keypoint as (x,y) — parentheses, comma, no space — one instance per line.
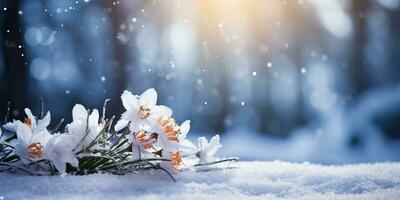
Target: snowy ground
(249,180)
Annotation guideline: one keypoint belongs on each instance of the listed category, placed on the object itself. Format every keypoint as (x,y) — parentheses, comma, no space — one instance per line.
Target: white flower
(172,140)
(142,143)
(84,127)
(176,160)
(141,111)
(30,121)
(207,150)
(172,137)
(185,145)
(41,145)
(30,145)
(59,150)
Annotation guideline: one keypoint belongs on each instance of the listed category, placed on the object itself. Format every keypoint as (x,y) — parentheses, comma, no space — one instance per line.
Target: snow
(243,180)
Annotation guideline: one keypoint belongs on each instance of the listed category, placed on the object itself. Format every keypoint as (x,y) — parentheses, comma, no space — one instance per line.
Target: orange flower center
(170,128)
(146,140)
(144,113)
(176,159)
(28,122)
(35,150)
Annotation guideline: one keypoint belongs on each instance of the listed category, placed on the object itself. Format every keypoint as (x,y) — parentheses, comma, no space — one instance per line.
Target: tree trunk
(357,61)
(16,70)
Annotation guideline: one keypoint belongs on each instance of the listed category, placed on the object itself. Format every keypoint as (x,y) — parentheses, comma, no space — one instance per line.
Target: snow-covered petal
(60,166)
(202,143)
(149,98)
(59,150)
(81,136)
(161,111)
(77,129)
(24,134)
(83,129)
(44,122)
(122,123)
(214,145)
(79,112)
(94,117)
(207,150)
(129,101)
(12,126)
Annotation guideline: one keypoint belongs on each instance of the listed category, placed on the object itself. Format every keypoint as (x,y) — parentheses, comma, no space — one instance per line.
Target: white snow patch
(247,180)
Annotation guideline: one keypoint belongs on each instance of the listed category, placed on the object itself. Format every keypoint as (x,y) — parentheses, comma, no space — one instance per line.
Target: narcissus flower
(207,150)
(141,111)
(31,122)
(30,145)
(142,144)
(59,150)
(176,160)
(153,133)
(84,127)
(172,136)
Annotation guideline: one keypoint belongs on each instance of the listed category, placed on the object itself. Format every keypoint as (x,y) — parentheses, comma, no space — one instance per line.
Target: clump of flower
(34,142)
(146,136)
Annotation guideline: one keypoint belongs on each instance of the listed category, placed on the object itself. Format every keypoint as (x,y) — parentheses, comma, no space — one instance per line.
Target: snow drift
(245,180)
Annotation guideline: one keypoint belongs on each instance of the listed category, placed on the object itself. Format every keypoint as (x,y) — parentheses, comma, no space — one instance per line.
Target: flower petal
(122,123)
(161,111)
(44,122)
(59,151)
(130,115)
(214,145)
(135,152)
(77,130)
(202,143)
(134,127)
(73,160)
(29,114)
(129,101)
(65,143)
(79,113)
(60,166)
(12,126)
(149,98)
(187,147)
(24,134)
(185,127)
(41,136)
(94,118)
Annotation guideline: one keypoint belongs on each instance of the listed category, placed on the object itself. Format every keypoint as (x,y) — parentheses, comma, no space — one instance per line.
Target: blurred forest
(268,66)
